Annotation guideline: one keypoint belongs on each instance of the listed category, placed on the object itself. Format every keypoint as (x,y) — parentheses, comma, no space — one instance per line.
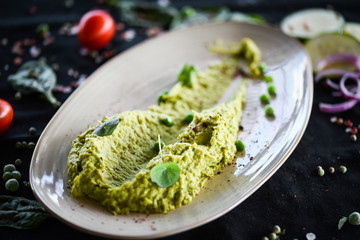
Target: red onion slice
(337,58)
(339,107)
(345,91)
(330,72)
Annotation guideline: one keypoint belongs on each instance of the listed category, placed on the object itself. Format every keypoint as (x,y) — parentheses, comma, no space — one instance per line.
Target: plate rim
(214,216)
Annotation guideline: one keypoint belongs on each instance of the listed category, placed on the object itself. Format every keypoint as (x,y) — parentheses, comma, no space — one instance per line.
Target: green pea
(157,145)
(32,130)
(265,98)
(268,79)
(168,121)
(9,168)
(189,117)
(161,98)
(240,146)
(16,175)
(12,185)
(354,218)
(271,89)
(7,175)
(343,169)
(269,111)
(18,162)
(264,238)
(277,229)
(273,236)
(262,67)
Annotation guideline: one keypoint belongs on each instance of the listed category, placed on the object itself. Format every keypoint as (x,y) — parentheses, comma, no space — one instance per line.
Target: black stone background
(320,201)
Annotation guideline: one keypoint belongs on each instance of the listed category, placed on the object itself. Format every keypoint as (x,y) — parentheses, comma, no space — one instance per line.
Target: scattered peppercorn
(353,137)
(18,145)
(320,171)
(32,130)
(343,169)
(265,98)
(18,96)
(273,236)
(340,121)
(204,124)
(31,145)
(277,229)
(331,169)
(349,123)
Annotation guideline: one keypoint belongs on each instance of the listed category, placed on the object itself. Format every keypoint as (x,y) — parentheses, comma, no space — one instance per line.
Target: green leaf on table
(165,174)
(186,74)
(341,223)
(35,76)
(21,213)
(106,128)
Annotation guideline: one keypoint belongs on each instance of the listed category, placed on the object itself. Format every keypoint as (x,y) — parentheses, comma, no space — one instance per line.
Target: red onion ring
(339,107)
(332,84)
(343,89)
(338,58)
(329,72)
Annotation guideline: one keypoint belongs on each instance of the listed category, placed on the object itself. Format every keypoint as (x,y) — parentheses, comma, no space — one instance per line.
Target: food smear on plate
(115,162)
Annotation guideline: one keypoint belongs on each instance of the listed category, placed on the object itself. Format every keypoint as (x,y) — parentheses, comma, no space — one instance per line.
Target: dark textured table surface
(295,197)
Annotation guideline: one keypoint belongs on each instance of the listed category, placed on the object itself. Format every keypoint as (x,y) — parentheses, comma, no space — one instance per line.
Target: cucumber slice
(309,23)
(352,29)
(327,44)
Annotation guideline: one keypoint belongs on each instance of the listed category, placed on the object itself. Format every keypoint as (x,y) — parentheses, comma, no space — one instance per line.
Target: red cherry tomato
(96,29)
(6,115)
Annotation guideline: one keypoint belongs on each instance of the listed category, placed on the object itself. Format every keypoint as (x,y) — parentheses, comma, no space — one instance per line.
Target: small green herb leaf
(185,76)
(341,223)
(21,213)
(106,128)
(35,76)
(165,174)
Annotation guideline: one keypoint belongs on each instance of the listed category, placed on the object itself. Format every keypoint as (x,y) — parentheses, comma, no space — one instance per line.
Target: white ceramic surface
(133,80)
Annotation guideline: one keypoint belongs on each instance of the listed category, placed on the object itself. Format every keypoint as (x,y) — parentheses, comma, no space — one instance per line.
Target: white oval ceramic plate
(133,80)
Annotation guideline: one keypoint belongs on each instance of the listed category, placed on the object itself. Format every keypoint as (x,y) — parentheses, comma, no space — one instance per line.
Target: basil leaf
(341,223)
(21,213)
(106,128)
(35,76)
(165,174)
(185,76)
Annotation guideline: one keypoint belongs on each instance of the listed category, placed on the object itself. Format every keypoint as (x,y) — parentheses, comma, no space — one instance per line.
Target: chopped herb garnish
(165,174)
(186,74)
(35,76)
(162,97)
(106,128)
